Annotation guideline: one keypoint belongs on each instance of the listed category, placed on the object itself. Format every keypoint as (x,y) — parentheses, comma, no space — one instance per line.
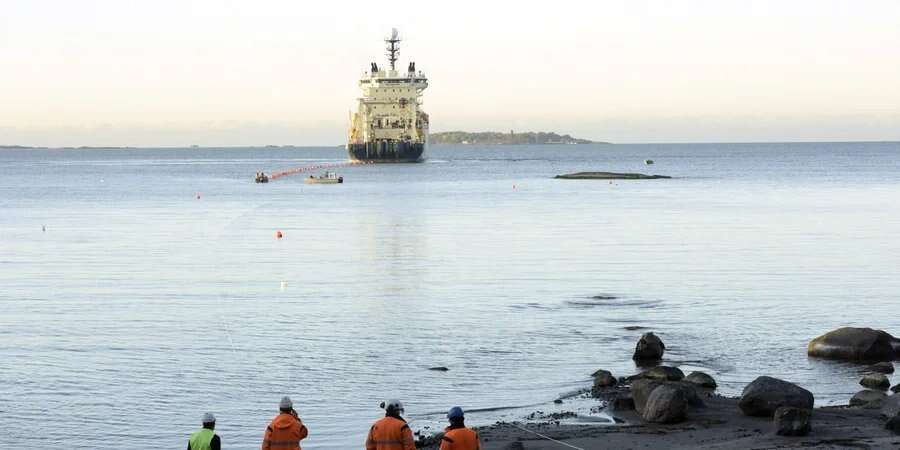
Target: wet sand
(720,425)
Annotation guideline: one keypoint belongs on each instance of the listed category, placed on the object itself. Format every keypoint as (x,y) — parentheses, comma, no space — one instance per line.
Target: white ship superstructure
(389,124)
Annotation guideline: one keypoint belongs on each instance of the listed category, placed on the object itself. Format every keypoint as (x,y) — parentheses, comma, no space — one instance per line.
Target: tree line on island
(498,138)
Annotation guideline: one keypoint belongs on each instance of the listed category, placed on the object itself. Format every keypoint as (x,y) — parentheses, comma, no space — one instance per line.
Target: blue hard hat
(455,413)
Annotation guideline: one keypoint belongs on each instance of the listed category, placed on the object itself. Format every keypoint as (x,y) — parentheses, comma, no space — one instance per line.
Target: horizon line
(302,146)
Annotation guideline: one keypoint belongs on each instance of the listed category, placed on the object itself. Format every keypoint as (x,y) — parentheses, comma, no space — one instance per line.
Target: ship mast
(392,47)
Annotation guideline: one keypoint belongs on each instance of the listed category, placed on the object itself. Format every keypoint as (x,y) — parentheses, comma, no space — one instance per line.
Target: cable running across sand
(547,437)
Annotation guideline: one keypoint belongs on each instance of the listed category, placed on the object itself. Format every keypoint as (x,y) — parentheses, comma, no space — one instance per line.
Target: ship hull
(386,151)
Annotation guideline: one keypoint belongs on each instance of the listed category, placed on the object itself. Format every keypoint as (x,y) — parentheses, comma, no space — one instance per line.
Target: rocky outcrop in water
(649,348)
(854,344)
(609,176)
(875,381)
(766,394)
(790,421)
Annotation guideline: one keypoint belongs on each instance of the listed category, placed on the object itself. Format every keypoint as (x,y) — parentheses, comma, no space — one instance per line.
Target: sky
(229,72)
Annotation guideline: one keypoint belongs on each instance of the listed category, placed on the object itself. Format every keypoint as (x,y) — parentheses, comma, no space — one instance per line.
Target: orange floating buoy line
(285,173)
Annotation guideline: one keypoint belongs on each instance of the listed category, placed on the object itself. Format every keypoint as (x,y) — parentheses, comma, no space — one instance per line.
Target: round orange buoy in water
(278,234)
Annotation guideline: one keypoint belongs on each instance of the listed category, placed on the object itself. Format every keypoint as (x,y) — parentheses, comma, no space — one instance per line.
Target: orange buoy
(278,234)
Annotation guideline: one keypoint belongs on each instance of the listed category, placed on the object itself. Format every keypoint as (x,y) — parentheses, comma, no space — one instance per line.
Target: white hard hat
(392,405)
(209,418)
(285,403)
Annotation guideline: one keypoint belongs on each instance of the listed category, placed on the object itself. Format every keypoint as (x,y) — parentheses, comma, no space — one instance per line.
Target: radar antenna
(393,49)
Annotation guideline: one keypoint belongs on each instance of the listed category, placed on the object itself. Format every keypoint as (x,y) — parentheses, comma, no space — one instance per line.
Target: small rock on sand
(603,379)
(790,421)
(868,399)
(766,394)
(622,402)
(875,381)
(883,367)
(666,404)
(701,379)
(664,373)
(649,348)
(854,344)
(514,446)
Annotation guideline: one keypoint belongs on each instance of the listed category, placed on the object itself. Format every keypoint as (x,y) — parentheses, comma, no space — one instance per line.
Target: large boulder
(701,379)
(875,381)
(893,424)
(766,394)
(603,380)
(790,421)
(666,404)
(641,390)
(896,389)
(883,367)
(890,407)
(664,373)
(649,348)
(854,344)
(868,399)
(690,392)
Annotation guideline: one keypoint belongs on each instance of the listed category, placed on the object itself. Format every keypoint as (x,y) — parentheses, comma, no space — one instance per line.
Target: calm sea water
(142,306)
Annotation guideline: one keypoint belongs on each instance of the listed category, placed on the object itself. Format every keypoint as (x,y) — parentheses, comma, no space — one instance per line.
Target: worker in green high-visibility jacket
(205,438)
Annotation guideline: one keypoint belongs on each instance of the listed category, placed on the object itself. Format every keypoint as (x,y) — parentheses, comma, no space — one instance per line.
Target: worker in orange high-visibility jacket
(457,436)
(286,430)
(391,432)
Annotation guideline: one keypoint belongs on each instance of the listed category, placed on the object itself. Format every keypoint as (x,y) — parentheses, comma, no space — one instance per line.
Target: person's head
(392,408)
(209,421)
(285,405)
(456,416)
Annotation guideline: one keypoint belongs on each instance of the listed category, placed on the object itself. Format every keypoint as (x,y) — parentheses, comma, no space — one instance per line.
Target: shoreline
(720,425)
(661,408)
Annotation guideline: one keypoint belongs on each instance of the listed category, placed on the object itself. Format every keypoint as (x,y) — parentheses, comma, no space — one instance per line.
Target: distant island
(498,138)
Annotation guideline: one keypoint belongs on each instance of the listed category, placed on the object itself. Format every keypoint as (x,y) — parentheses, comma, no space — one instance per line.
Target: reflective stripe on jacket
(390,433)
(460,439)
(284,433)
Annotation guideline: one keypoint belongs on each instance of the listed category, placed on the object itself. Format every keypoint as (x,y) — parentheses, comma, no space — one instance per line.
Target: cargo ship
(389,125)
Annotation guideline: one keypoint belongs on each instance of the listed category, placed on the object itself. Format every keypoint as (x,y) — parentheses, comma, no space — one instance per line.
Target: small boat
(648,161)
(326,178)
(261,177)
